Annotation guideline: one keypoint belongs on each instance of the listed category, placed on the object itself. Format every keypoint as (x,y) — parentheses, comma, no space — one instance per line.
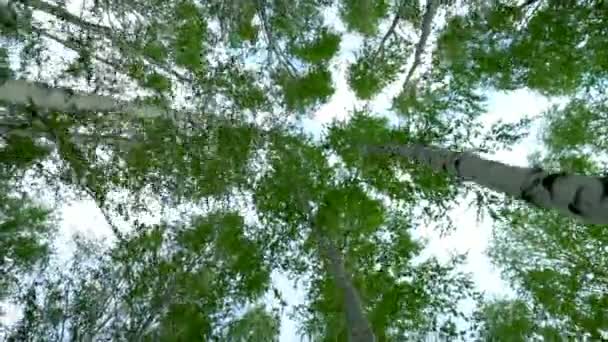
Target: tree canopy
(182,121)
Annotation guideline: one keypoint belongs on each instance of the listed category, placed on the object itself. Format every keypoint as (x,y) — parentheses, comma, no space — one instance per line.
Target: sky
(470,236)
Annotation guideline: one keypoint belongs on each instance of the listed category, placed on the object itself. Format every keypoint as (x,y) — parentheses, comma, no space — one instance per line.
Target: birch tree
(559,268)
(554,262)
(577,195)
(323,206)
(163,282)
(196,107)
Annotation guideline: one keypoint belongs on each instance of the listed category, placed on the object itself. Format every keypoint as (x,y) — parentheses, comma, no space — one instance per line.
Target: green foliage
(443,115)
(155,50)
(152,285)
(370,74)
(284,23)
(158,82)
(206,164)
(503,318)
(298,174)
(325,45)
(25,231)
(349,207)
(492,49)
(579,124)
(188,44)
(8,19)
(243,89)
(384,286)
(19,153)
(311,89)
(242,70)
(248,32)
(363,16)
(5,71)
(555,261)
(385,174)
(255,325)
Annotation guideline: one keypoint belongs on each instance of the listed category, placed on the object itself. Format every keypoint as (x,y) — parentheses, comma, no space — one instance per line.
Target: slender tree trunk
(358,326)
(21,92)
(582,197)
(425,32)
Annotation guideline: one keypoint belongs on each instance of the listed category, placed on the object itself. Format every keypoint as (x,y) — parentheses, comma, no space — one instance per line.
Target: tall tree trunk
(358,326)
(579,196)
(21,92)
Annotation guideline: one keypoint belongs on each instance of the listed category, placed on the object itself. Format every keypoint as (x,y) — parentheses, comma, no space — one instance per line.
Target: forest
(227,156)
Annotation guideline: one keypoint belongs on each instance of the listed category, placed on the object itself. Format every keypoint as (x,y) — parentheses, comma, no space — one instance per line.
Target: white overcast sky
(469,236)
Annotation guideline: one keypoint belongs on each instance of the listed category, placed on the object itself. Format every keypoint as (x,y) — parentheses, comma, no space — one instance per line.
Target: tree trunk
(21,92)
(582,197)
(357,324)
(425,32)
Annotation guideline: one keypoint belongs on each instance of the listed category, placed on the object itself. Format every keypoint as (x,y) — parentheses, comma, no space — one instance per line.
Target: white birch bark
(358,326)
(21,92)
(579,196)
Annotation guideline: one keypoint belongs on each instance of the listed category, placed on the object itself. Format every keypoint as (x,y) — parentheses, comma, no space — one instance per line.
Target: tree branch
(389,32)
(425,32)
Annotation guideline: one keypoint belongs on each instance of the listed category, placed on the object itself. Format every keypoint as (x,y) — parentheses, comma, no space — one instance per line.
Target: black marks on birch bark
(549,182)
(575,205)
(604,182)
(457,166)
